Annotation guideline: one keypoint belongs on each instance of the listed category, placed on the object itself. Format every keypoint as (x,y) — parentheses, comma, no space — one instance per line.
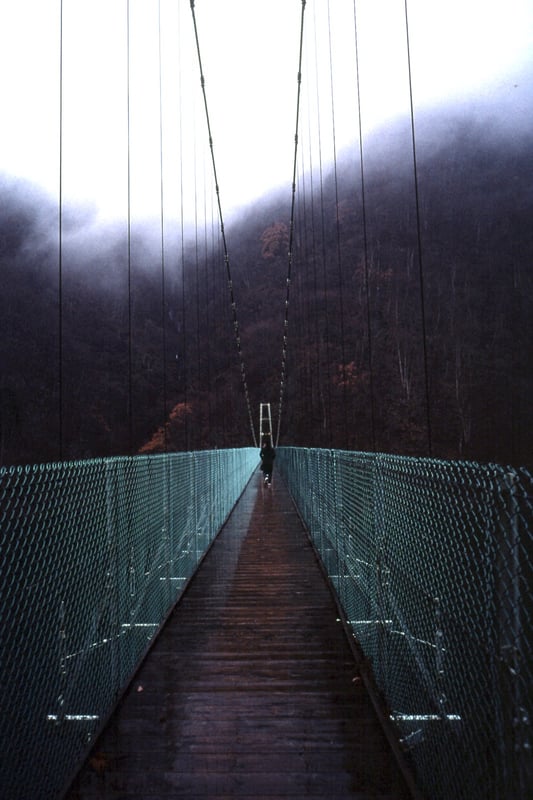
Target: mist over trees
(409,315)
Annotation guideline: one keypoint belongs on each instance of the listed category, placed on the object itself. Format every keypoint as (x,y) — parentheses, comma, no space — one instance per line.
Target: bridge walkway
(251,690)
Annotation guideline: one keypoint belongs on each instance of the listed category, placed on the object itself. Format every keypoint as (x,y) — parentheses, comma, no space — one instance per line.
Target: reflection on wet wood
(251,690)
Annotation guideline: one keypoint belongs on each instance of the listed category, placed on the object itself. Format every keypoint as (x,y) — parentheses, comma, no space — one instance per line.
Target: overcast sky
(460,49)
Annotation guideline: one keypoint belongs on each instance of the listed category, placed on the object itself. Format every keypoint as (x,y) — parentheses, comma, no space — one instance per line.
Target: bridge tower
(265,424)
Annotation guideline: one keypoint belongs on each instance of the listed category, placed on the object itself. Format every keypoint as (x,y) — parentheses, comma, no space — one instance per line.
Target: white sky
(459,49)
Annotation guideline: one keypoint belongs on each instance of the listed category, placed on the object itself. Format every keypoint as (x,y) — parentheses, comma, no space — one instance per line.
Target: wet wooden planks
(251,690)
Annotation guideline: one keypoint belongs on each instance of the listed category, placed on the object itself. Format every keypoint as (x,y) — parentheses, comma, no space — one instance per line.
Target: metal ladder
(265,424)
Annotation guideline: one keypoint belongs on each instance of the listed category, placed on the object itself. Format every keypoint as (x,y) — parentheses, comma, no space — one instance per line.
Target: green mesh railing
(432,564)
(94,556)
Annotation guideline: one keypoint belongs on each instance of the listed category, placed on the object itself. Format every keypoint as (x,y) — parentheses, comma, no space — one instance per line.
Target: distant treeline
(409,316)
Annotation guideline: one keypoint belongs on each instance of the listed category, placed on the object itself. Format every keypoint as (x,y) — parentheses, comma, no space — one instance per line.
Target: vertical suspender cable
(219,301)
(196,309)
(365,238)
(419,240)
(207,314)
(303,311)
(130,312)
(327,400)
(60,235)
(199,443)
(198,427)
(162,230)
(291,230)
(183,362)
(314,293)
(163,295)
(338,238)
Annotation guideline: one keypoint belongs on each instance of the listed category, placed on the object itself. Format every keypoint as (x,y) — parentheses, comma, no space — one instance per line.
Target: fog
(110,249)
(107,108)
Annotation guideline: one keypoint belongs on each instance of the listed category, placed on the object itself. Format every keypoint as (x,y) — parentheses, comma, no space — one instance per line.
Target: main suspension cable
(283,373)
(236,327)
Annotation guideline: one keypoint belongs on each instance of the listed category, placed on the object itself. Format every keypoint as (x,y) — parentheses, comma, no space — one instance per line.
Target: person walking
(267,455)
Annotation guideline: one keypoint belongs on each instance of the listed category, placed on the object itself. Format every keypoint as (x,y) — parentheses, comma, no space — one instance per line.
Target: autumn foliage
(406,324)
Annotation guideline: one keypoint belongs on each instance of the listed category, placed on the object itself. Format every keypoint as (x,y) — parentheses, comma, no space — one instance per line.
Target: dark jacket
(267,455)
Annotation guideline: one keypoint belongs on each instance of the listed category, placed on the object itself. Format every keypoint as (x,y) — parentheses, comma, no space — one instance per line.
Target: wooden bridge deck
(251,690)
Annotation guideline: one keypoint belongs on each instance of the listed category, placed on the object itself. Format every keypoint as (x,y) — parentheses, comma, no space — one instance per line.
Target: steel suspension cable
(419,239)
(304,378)
(207,283)
(291,232)
(338,235)
(130,305)
(162,231)
(326,401)
(365,237)
(197,333)
(233,304)
(313,330)
(60,240)
(182,362)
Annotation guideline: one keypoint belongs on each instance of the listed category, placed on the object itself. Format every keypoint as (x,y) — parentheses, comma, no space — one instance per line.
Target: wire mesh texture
(94,556)
(432,563)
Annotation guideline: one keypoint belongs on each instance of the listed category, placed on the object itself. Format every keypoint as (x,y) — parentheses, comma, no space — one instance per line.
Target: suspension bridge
(173,624)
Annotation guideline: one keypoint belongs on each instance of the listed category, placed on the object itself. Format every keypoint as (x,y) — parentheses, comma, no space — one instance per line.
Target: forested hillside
(409,317)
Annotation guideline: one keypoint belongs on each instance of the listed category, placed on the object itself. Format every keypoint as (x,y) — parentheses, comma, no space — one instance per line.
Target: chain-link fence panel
(94,556)
(432,562)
